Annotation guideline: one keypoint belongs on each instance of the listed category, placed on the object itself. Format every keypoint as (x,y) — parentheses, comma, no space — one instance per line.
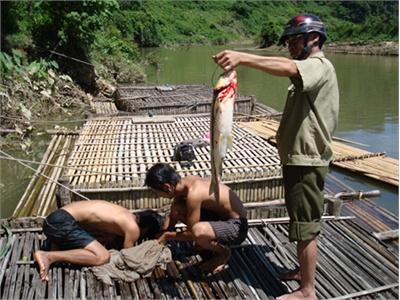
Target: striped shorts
(230,232)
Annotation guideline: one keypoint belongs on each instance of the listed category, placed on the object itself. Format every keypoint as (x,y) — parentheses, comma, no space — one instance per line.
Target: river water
(368,114)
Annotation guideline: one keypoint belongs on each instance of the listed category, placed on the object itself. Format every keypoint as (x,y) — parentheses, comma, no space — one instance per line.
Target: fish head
(227,79)
(226,87)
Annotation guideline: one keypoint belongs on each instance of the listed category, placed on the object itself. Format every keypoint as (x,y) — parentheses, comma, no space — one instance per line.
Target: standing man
(304,136)
(213,225)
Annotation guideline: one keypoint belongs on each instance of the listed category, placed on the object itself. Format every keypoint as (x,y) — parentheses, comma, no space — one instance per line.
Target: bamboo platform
(111,156)
(103,106)
(172,99)
(373,165)
(39,198)
(351,265)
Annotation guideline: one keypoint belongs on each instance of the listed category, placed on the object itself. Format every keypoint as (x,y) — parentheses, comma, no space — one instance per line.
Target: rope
(213,77)
(40,173)
(58,166)
(43,122)
(66,56)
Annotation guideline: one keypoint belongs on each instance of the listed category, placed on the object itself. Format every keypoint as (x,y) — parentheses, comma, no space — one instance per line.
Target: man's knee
(201,232)
(102,256)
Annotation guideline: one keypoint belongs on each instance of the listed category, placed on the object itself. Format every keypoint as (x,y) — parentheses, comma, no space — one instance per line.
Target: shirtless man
(72,229)
(229,228)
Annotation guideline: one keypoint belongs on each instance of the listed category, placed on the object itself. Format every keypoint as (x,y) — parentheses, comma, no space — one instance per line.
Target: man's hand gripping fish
(221,125)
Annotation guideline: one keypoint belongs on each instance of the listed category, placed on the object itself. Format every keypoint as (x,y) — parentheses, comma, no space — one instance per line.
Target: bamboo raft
(351,265)
(39,197)
(172,99)
(111,156)
(373,165)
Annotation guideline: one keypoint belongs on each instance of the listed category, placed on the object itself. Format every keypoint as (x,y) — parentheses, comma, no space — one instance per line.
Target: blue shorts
(62,229)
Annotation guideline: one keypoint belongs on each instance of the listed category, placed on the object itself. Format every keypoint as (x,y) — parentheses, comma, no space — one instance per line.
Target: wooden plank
(373,165)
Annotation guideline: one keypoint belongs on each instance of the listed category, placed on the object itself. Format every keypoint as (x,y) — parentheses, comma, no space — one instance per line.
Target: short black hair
(159,174)
(149,221)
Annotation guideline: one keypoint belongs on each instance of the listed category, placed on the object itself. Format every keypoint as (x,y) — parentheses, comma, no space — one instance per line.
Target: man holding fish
(304,136)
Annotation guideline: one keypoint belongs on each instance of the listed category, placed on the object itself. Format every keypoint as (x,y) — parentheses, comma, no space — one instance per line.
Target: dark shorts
(62,229)
(304,200)
(230,232)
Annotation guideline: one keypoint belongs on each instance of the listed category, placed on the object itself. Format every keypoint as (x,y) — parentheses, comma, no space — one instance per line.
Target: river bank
(388,48)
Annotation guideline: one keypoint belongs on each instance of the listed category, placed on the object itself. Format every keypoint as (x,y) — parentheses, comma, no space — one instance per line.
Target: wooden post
(63,195)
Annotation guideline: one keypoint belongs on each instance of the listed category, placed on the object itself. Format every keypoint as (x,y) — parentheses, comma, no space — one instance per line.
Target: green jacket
(310,115)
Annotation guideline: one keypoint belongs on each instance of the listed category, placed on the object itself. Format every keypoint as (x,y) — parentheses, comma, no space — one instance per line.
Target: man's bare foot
(44,264)
(217,263)
(299,294)
(290,275)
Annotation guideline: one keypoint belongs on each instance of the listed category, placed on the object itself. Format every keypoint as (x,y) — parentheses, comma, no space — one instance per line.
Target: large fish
(221,125)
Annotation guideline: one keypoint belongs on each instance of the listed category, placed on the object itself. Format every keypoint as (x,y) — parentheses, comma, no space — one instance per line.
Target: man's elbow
(102,259)
(291,69)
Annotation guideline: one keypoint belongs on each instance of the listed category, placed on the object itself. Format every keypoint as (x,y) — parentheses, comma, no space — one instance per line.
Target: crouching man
(193,204)
(72,229)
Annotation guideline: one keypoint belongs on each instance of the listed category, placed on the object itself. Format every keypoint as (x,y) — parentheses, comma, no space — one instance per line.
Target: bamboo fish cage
(377,166)
(172,99)
(351,265)
(111,156)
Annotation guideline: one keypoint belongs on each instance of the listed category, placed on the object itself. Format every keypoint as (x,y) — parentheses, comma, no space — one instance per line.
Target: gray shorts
(230,232)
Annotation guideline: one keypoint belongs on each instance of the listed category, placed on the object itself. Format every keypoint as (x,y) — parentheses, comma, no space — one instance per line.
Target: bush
(270,33)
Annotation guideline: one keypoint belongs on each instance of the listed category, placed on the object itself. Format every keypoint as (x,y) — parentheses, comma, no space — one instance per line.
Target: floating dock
(108,158)
(351,265)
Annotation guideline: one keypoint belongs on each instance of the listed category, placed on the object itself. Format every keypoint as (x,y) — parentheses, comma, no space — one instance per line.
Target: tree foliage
(111,32)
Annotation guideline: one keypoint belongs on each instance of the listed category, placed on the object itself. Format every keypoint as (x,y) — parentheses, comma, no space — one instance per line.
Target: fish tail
(216,173)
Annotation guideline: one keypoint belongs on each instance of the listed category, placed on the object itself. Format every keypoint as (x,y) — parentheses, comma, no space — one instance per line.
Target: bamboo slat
(373,165)
(39,197)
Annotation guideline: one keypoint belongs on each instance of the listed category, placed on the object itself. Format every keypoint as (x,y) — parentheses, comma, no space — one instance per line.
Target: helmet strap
(306,48)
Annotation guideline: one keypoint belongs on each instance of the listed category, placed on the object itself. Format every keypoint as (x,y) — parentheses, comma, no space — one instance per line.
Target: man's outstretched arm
(278,66)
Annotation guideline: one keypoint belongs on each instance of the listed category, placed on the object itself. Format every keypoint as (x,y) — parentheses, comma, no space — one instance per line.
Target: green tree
(69,27)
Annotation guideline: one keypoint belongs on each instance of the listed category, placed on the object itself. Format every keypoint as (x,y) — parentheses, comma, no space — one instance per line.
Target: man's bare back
(229,205)
(72,227)
(102,216)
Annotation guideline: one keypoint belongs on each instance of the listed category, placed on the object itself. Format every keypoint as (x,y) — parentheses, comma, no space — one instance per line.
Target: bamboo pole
(367,292)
